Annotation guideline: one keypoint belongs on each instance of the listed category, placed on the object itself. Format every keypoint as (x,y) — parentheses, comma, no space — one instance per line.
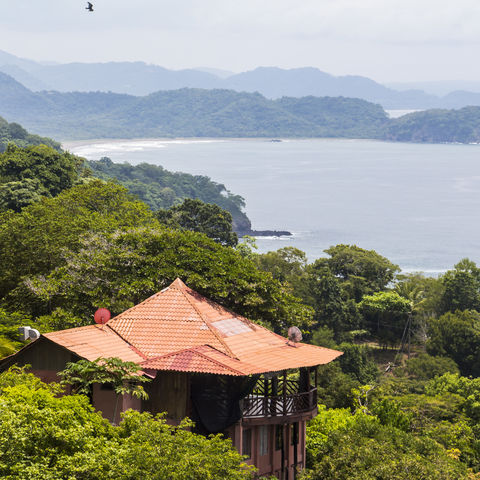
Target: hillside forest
(194,112)
(402,402)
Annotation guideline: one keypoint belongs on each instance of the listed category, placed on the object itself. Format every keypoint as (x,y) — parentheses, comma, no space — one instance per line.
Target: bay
(417,204)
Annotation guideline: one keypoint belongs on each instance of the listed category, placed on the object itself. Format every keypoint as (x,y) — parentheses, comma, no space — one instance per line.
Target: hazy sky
(387,40)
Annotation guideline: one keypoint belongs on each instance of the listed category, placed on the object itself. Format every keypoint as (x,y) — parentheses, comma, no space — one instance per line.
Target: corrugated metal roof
(179,329)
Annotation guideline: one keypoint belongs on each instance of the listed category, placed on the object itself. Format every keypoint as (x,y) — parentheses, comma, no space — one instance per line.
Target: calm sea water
(419,205)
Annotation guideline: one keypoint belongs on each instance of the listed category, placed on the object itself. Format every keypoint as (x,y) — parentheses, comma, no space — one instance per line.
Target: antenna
(102,316)
(294,335)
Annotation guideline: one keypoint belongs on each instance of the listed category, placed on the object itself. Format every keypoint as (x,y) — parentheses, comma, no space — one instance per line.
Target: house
(225,372)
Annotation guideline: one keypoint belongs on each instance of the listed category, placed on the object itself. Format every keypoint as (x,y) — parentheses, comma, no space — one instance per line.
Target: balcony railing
(257,405)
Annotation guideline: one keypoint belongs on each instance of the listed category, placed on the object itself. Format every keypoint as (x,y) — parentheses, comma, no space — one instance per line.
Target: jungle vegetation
(403,401)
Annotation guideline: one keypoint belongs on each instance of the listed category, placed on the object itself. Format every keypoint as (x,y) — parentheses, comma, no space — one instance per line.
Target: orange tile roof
(179,329)
(95,341)
(198,359)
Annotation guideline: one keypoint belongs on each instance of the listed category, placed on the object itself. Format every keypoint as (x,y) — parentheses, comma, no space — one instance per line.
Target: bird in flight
(89,7)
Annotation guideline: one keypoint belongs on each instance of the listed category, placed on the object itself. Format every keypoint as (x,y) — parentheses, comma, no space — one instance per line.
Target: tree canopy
(13,133)
(46,436)
(33,241)
(121,269)
(197,216)
(362,271)
(26,174)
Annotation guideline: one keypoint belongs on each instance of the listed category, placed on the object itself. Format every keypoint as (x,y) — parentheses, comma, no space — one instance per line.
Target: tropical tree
(462,287)
(385,315)
(33,241)
(361,271)
(28,173)
(47,436)
(121,269)
(457,336)
(123,377)
(198,216)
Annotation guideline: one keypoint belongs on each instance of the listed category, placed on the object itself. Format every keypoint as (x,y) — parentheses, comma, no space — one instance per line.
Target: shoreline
(68,144)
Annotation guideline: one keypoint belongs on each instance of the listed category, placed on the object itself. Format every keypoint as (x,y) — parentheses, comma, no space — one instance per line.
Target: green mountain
(437,126)
(15,133)
(224,113)
(184,113)
(160,188)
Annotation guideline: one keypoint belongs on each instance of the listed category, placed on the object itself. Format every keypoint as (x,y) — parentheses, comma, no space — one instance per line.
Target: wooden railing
(257,405)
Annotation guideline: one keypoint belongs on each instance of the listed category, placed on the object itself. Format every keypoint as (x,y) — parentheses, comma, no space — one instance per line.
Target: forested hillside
(402,402)
(139,78)
(184,113)
(160,188)
(26,174)
(16,134)
(437,126)
(224,113)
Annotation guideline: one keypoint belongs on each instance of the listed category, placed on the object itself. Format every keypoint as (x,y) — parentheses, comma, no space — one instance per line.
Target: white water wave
(98,150)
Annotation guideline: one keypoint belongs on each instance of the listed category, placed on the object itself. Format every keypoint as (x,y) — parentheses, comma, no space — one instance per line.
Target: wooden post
(266,396)
(284,392)
(273,400)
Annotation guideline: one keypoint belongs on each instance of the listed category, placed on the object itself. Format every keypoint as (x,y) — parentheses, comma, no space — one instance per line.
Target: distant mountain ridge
(185,113)
(139,78)
(224,113)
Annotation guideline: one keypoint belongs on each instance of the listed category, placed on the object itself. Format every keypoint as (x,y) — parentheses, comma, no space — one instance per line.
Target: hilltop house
(226,373)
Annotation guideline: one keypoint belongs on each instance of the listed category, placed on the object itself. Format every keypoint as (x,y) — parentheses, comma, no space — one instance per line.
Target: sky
(386,40)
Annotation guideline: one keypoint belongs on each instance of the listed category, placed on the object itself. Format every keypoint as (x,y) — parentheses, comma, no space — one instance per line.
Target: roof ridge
(211,328)
(195,350)
(187,289)
(133,347)
(151,297)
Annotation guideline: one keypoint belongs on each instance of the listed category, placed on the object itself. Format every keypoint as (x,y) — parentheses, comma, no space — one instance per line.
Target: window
(294,434)
(247,443)
(278,437)
(263,434)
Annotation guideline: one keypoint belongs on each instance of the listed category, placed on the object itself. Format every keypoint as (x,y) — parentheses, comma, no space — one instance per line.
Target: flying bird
(89,7)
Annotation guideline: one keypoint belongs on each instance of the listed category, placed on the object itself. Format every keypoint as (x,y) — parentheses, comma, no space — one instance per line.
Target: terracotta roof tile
(178,329)
(203,359)
(94,341)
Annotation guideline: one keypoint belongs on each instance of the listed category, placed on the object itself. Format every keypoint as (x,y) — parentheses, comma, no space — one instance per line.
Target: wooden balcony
(279,399)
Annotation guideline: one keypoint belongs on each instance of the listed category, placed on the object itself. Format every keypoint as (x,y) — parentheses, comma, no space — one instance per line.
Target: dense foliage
(13,133)
(27,174)
(358,446)
(193,112)
(161,189)
(44,436)
(120,269)
(436,126)
(88,243)
(197,216)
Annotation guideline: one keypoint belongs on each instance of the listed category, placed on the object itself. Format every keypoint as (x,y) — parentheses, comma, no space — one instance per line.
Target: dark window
(294,434)
(263,434)
(278,437)
(247,443)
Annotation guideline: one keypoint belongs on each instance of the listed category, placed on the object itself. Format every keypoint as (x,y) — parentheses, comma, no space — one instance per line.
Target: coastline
(69,144)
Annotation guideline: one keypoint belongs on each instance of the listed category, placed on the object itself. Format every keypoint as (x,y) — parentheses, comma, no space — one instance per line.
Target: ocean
(416,204)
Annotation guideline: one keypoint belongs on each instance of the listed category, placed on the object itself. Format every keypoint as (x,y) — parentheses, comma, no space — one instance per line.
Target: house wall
(45,357)
(168,392)
(104,400)
(270,463)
